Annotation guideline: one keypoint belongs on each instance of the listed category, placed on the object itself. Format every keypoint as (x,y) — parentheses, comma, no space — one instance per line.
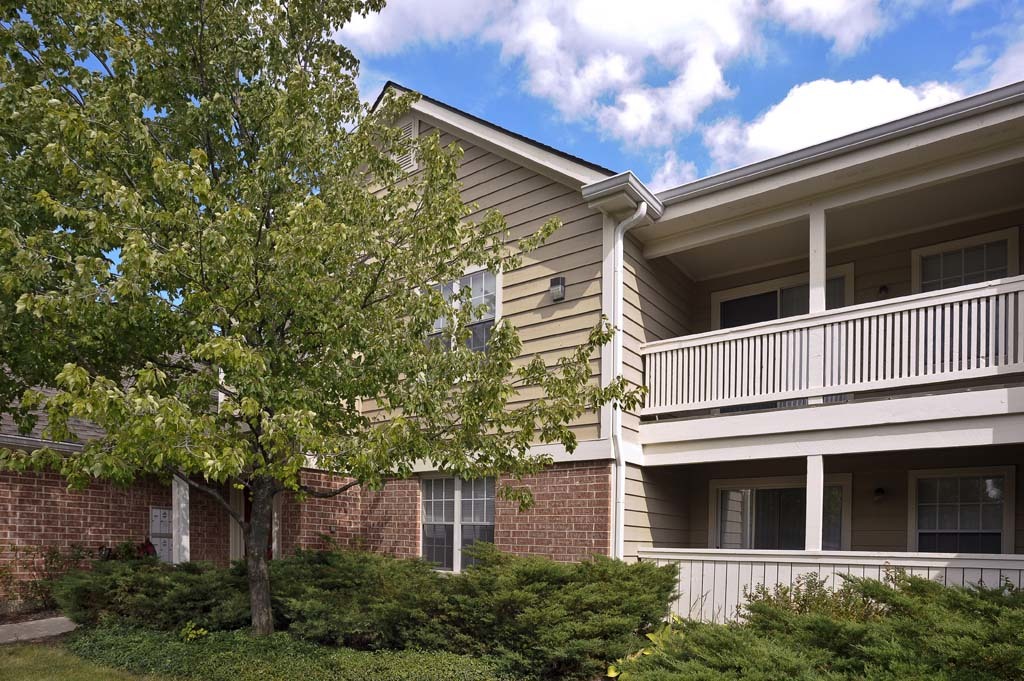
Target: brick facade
(571,518)
(315,523)
(38,512)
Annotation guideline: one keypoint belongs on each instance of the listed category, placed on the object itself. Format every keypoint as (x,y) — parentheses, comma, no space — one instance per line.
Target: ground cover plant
(239,656)
(532,617)
(901,628)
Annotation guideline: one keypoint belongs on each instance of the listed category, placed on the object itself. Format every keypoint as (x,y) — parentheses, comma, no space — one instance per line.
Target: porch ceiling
(986,193)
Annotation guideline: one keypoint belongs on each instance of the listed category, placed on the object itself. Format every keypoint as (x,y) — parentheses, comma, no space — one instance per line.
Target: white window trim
(844,480)
(845,270)
(498,282)
(473,269)
(1008,473)
(456,523)
(1011,234)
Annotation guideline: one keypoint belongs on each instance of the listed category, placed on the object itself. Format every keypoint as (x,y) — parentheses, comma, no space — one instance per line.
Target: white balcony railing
(963,333)
(713,583)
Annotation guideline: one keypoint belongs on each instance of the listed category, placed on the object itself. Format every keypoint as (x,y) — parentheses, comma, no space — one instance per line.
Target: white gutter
(618,303)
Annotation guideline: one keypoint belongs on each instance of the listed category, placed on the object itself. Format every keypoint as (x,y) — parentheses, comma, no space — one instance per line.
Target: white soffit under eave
(531,156)
(815,178)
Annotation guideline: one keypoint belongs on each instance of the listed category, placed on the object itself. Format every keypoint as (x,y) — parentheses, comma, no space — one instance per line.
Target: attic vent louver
(409,131)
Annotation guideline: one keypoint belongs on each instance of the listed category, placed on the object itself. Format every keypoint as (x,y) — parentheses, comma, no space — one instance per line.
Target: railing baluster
(941,337)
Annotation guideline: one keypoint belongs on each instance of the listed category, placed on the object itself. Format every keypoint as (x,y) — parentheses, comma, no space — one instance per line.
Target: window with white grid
(483,296)
(456,514)
(961,511)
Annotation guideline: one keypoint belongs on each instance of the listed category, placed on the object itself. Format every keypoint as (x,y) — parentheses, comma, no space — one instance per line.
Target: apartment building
(832,343)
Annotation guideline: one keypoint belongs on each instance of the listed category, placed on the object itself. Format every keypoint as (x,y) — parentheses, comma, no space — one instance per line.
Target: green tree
(207,248)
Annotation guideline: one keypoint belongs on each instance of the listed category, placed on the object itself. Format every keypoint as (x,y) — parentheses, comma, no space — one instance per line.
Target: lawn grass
(41,662)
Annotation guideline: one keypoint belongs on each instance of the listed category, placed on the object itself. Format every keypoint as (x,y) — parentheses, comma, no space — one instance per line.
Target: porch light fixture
(879,493)
(557,288)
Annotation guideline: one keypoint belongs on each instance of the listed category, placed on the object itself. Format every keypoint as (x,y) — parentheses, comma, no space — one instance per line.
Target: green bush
(148,593)
(902,628)
(555,620)
(535,617)
(41,567)
(236,656)
(360,600)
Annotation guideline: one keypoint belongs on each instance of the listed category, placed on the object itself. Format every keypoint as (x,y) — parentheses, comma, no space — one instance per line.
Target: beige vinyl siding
(658,299)
(880,263)
(877,524)
(528,200)
(651,513)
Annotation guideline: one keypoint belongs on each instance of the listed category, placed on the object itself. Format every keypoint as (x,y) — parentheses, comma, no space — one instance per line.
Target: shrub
(360,600)
(236,656)
(148,593)
(555,620)
(536,617)
(902,628)
(41,568)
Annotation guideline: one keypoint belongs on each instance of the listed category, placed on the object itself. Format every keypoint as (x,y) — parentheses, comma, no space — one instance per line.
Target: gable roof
(542,158)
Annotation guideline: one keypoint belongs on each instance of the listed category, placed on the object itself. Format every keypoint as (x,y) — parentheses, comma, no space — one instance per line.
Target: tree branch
(215,493)
(327,495)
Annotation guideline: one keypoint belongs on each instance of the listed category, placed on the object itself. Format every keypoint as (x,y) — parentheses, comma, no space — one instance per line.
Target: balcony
(713,584)
(954,336)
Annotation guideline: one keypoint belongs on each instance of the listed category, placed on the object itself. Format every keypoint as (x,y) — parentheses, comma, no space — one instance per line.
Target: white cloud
(818,111)
(961,5)
(602,62)
(848,23)
(405,23)
(1009,67)
(672,172)
(975,59)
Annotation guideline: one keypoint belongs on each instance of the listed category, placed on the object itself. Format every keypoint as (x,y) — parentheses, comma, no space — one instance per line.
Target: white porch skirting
(712,583)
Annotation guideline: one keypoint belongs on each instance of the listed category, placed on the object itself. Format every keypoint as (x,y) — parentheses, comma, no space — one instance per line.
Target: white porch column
(275,532)
(815,502)
(236,542)
(816,255)
(816,299)
(179,521)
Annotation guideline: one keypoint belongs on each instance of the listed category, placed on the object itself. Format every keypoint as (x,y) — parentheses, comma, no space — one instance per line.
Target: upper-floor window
(456,514)
(483,296)
(966,261)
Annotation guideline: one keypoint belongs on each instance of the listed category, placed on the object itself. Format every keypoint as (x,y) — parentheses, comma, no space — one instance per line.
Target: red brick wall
(208,528)
(304,525)
(571,518)
(38,511)
(390,519)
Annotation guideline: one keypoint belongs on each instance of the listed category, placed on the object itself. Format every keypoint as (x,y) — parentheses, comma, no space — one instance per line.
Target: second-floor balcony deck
(956,335)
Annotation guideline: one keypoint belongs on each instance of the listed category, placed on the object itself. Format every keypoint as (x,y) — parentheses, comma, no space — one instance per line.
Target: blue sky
(683,89)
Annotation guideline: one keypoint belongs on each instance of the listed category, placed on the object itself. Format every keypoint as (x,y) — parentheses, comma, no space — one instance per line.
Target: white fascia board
(528,155)
(975,432)
(27,443)
(625,183)
(586,450)
(971,107)
(959,419)
(940,407)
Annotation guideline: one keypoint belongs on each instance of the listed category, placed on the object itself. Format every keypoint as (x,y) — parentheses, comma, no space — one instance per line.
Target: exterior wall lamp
(557,288)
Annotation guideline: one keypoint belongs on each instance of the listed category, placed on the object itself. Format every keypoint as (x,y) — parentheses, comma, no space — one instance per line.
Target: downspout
(618,303)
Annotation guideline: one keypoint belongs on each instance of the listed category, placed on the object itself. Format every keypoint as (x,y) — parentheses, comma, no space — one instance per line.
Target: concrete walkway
(35,629)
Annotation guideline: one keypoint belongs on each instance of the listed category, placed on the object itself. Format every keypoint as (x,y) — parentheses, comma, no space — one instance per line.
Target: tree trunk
(257,541)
